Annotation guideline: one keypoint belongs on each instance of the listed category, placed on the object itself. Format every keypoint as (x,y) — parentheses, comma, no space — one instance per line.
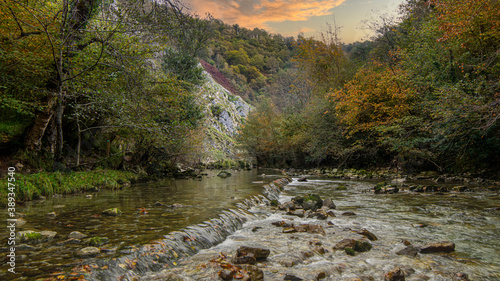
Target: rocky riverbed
(313,240)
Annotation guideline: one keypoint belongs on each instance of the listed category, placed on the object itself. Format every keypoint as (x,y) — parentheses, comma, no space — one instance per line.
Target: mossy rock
(341,187)
(350,251)
(31,236)
(224,174)
(378,187)
(112,212)
(362,246)
(274,203)
(96,241)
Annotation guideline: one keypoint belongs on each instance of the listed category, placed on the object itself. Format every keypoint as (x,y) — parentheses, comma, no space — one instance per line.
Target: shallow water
(462,218)
(199,200)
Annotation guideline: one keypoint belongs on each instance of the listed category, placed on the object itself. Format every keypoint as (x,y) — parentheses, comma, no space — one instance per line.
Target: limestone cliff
(224,113)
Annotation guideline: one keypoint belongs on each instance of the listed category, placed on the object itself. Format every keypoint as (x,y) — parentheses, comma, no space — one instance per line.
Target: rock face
(224,113)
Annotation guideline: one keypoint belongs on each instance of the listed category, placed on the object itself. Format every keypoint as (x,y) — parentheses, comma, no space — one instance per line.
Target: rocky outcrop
(224,112)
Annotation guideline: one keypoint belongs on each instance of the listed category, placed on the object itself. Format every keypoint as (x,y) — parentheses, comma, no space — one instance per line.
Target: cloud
(256,13)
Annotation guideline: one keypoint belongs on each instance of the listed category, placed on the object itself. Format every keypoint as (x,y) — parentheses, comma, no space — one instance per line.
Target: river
(467,219)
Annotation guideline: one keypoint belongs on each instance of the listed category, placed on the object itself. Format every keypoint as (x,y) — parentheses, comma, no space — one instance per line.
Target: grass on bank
(33,186)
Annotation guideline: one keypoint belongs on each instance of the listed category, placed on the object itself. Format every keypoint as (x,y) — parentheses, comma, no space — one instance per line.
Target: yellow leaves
(375,96)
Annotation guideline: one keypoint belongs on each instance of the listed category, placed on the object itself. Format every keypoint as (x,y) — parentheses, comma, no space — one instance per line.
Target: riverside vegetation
(95,86)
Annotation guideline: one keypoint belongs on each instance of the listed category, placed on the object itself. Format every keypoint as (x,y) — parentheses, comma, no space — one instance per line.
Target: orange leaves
(375,96)
(471,21)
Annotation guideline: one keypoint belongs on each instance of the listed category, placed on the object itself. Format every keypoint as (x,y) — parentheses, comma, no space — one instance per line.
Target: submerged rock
(96,241)
(77,235)
(88,252)
(396,274)
(409,251)
(255,273)
(112,212)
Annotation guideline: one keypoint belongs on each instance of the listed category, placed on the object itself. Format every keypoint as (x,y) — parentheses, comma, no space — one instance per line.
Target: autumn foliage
(424,93)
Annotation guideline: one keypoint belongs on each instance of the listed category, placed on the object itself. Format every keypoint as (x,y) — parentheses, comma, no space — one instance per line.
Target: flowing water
(471,220)
(221,214)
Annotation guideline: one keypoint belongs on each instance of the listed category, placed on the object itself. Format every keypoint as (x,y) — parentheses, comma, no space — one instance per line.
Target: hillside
(224,112)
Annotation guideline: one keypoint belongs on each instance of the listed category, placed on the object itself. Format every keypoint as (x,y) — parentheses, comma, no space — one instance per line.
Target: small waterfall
(176,245)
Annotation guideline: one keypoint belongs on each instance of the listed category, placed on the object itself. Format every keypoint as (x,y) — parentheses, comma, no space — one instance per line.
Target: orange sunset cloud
(257,13)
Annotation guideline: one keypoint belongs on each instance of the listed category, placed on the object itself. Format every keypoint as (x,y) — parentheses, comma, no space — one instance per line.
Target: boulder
(299,213)
(320,214)
(438,247)
(328,203)
(409,251)
(247,259)
(34,237)
(309,202)
(367,234)
(302,179)
(311,228)
(287,206)
(258,253)
(356,245)
(224,174)
(396,274)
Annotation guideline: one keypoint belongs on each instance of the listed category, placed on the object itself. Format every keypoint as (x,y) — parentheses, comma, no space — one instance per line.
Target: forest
(83,81)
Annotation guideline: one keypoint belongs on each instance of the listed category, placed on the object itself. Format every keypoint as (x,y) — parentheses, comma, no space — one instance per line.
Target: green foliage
(423,94)
(183,65)
(33,186)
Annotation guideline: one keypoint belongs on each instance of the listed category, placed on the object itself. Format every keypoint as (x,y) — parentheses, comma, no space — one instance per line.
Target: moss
(362,246)
(341,187)
(33,236)
(274,203)
(96,241)
(350,251)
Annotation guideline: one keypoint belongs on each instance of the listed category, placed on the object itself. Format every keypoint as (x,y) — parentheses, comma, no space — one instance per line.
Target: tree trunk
(33,140)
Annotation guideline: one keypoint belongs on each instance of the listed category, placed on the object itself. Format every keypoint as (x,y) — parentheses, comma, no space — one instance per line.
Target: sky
(291,17)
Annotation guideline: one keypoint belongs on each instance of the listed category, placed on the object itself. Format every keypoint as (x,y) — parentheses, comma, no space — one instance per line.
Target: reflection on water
(183,203)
